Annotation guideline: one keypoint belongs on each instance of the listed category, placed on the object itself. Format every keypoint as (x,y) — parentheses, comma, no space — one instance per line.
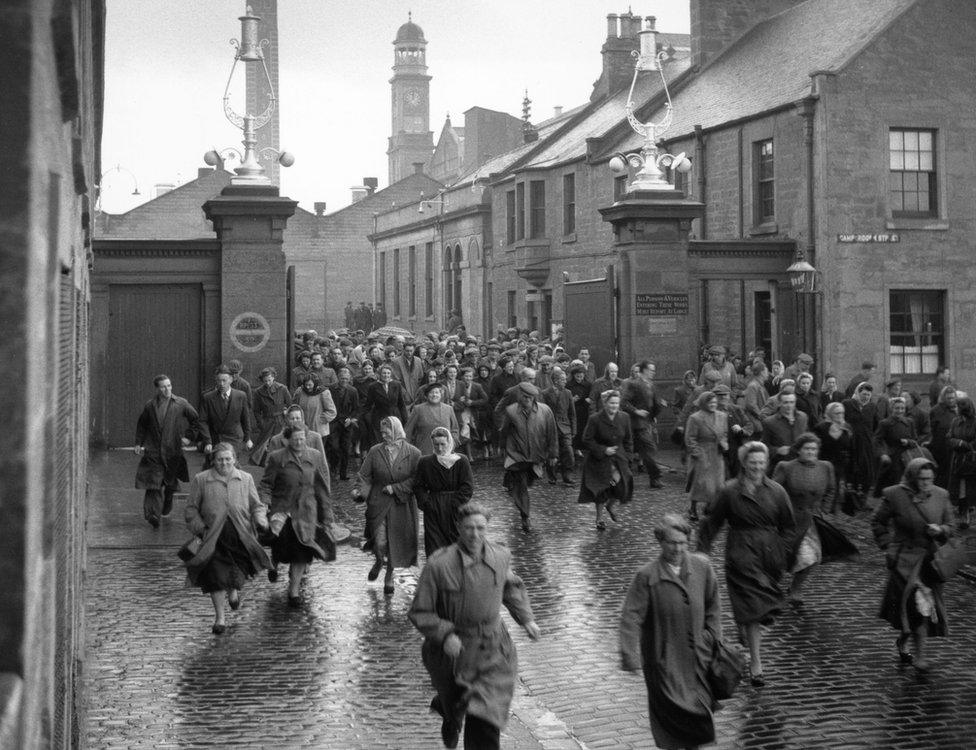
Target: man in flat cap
(802,363)
(717,363)
(529,431)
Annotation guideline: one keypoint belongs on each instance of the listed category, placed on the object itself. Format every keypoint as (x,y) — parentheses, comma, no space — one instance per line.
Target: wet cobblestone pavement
(344,671)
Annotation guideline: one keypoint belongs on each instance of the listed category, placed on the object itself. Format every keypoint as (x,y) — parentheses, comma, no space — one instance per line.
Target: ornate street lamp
(648,161)
(803,277)
(250,171)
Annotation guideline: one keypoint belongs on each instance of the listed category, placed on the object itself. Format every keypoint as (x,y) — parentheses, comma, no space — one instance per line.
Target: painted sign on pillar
(250,332)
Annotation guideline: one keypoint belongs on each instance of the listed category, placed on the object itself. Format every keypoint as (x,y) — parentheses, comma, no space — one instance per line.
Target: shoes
(218,629)
(601,526)
(153,521)
(568,481)
(167,503)
(693,513)
(272,574)
(757,680)
(613,516)
(904,657)
(294,601)
(374,572)
(388,589)
(527,526)
(656,484)
(234,600)
(795,602)
(922,667)
(552,480)
(450,733)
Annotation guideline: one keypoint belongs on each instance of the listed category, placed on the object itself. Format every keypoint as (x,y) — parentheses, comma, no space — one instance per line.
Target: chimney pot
(612,26)
(418,167)
(358,193)
(370,183)
(557,110)
(204,171)
(319,208)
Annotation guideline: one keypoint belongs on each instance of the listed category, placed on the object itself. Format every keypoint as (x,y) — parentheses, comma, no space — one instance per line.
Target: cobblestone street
(345,672)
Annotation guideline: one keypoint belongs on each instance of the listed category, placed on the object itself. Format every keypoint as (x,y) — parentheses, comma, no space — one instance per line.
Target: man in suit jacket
(782,430)
(638,400)
(408,371)
(385,398)
(159,441)
(345,427)
(558,398)
(225,417)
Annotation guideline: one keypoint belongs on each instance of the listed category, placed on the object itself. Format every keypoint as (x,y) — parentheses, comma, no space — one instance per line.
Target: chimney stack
(418,167)
(358,193)
(557,110)
(204,171)
(715,24)
(618,65)
(162,188)
(319,208)
(370,183)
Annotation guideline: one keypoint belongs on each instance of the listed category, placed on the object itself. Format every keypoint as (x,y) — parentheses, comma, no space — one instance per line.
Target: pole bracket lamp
(648,161)
(803,277)
(430,202)
(249,51)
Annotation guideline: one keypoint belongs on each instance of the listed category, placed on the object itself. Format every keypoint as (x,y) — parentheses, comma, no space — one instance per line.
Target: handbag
(949,556)
(190,549)
(724,671)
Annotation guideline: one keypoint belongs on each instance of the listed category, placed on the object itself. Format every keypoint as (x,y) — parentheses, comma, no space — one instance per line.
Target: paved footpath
(344,671)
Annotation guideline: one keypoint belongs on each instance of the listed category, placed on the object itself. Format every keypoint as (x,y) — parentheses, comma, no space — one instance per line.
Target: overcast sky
(167,64)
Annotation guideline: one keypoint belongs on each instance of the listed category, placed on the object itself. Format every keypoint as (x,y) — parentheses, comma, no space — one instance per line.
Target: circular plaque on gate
(250,332)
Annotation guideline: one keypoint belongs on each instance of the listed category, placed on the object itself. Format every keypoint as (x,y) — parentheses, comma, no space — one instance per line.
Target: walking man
(529,431)
(642,404)
(558,398)
(159,442)
(225,417)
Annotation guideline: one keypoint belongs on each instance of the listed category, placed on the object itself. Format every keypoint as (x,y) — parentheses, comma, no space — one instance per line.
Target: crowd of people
(402,419)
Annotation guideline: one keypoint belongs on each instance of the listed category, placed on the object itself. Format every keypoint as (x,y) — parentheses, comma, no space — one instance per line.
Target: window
(381,281)
(765,202)
(396,283)
(510,216)
(412,281)
(679,180)
(917,323)
(537,209)
(619,187)
(520,211)
(429,279)
(911,155)
(764,322)
(512,313)
(569,203)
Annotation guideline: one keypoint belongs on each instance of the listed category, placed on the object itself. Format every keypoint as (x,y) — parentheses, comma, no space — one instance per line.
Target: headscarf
(450,458)
(399,436)
(909,480)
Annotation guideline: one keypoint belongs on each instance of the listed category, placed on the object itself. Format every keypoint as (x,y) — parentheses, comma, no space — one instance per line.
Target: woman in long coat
(913,518)
(467,649)
(962,474)
(224,510)
(862,418)
(670,622)
(271,400)
(580,387)
(809,483)
(361,383)
(837,447)
(940,422)
(895,434)
(443,484)
(428,415)
(761,528)
(706,439)
(317,404)
(385,480)
(608,443)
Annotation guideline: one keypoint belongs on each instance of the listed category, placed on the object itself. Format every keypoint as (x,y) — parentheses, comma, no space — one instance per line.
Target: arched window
(456,269)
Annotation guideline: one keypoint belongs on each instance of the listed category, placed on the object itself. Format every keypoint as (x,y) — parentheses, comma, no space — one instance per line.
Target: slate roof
(769,66)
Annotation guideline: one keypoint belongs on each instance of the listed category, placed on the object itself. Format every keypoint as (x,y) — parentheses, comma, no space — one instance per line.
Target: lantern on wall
(803,277)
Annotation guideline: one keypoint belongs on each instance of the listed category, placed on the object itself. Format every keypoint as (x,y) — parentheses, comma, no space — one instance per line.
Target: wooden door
(153,329)
(589,319)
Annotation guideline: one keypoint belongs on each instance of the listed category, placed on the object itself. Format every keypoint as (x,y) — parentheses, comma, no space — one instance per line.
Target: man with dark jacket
(225,417)
(384,398)
(159,442)
(529,432)
(560,401)
(637,399)
(344,432)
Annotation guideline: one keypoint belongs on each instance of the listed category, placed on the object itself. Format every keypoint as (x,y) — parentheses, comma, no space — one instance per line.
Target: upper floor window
(520,211)
(396,282)
(510,216)
(765,202)
(537,209)
(569,203)
(412,281)
(917,331)
(912,176)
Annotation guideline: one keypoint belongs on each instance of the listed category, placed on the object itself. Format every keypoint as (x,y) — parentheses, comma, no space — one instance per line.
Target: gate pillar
(250,221)
(650,229)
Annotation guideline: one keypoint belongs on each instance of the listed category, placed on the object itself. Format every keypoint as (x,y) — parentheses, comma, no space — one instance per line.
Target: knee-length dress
(440,491)
(810,487)
(761,528)
(705,434)
(380,468)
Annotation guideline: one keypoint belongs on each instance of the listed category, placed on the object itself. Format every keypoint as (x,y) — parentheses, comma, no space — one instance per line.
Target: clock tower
(411,140)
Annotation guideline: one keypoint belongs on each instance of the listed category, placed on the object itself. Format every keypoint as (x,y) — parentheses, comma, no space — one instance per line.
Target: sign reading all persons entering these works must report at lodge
(661,304)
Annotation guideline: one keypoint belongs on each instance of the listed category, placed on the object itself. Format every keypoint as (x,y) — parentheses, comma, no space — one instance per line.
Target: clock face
(413,97)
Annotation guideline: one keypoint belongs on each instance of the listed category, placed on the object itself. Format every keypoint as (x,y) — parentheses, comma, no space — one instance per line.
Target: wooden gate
(590,319)
(153,329)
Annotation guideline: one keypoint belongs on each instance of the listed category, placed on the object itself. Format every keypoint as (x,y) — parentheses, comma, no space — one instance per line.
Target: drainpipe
(700,158)
(812,310)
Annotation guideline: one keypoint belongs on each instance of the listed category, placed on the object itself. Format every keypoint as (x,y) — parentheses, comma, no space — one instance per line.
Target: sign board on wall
(250,332)
(661,304)
(883,238)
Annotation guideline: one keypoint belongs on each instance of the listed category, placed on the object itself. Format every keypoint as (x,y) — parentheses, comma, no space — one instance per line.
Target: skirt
(286,548)
(229,566)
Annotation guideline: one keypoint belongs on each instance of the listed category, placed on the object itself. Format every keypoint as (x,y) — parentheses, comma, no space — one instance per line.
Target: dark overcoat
(163,461)
(298,486)
(601,433)
(399,510)
(225,423)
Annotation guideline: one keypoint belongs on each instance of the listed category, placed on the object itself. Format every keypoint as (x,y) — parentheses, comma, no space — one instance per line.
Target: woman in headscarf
(317,404)
(863,419)
(913,518)
(895,434)
(761,528)
(271,400)
(443,484)
(580,388)
(385,481)
(962,473)
(608,443)
(428,415)
(707,439)
(670,624)
(809,483)
(684,391)
(837,448)
(774,376)
(224,510)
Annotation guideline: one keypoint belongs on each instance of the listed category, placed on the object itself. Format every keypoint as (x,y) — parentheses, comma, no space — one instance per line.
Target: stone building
(52,79)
